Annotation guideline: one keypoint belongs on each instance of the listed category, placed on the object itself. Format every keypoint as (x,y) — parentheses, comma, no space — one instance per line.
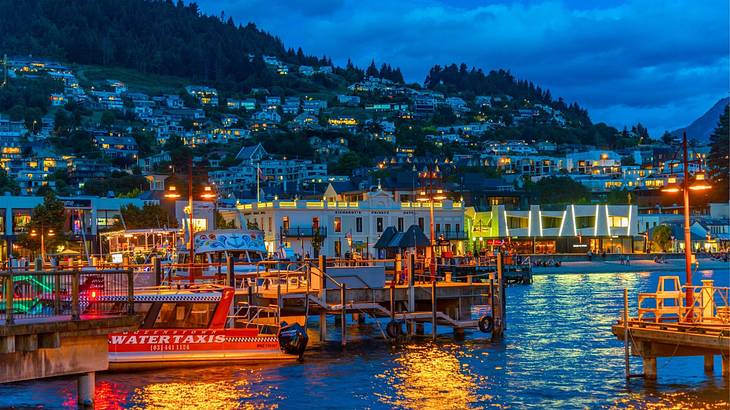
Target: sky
(661,63)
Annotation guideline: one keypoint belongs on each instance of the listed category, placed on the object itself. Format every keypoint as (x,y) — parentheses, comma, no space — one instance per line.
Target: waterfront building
(84,218)
(572,229)
(344,227)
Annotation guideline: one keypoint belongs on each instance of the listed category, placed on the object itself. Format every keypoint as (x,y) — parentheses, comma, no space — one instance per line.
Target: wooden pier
(330,289)
(666,328)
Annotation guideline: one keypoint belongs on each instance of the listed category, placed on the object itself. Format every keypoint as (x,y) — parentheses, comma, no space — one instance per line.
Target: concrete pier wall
(75,355)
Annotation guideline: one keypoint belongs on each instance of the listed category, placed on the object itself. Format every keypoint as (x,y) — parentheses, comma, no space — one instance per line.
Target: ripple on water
(558,352)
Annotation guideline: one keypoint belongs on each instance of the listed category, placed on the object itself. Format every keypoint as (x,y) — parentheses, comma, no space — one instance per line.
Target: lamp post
(172,193)
(430,194)
(43,234)
(210,194)
(699,184)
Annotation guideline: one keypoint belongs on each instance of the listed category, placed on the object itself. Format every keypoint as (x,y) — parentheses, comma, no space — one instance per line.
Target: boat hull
(158,348)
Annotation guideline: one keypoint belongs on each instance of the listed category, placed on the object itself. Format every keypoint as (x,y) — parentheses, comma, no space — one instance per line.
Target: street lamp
(172,193)
(210,194)
(429,194)
(699,183)
(43,234)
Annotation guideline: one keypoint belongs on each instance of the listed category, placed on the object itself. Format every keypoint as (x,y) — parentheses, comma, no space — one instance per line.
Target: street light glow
(172,192)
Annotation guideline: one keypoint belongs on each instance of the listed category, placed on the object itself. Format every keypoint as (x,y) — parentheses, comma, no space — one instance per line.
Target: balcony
(452,235)
(302,232)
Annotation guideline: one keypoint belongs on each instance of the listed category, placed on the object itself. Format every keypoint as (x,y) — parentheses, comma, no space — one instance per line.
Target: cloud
(663,63)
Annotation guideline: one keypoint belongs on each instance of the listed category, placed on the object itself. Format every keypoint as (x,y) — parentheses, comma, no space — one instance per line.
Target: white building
(346,226)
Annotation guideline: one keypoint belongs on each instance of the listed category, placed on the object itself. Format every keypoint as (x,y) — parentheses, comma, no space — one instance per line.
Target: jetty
(376,289)
(665,327)
(47,330)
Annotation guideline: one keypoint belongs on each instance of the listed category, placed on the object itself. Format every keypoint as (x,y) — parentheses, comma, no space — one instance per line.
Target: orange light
(672,189)
(422,197)
(207,193)
(672,186)
(93,294)
(700,183)
(172,192)
(440,195)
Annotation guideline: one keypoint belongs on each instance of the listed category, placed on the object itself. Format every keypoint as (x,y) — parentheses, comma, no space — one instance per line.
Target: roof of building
(413,237)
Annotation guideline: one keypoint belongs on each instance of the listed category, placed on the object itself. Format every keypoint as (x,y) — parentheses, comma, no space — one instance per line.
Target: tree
(719,157)
(8,183)
(662,237)
(47,219)
(617,197)
(317,242)
(149,216)
(667,138)
(348,162)
(558,190)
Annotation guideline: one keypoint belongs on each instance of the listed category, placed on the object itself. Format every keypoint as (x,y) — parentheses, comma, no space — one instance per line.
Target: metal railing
(451,235)
(303,232)
(74,293)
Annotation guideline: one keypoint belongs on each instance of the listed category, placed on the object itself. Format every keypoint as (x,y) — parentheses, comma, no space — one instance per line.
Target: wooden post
(398,268)
(627,367)
(650,367)
(56,292)
(412,292)
(278,300)
(306,297)
(130,291)
(157,268)
(725,366)
(323,298)
(498,304)
(9,288)
(433,310)
(709,363)
(230,272)
(343,313)
(392,302)
(75,314)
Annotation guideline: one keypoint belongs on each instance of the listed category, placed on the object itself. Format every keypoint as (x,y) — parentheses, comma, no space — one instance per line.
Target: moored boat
(192,326)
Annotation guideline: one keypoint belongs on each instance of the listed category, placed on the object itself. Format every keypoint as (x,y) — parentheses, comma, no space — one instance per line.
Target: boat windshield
(184,315)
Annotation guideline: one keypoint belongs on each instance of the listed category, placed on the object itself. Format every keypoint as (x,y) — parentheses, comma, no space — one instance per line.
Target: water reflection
(558,353)
(214,388)
(433,376)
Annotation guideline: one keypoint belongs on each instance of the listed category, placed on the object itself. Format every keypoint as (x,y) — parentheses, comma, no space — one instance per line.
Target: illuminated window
(337,224)
(618,221)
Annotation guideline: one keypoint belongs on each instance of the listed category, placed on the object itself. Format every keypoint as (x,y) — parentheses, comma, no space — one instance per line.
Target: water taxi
(192,325)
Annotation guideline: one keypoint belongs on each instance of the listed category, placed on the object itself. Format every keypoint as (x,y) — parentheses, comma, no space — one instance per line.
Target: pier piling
(709,363)
(433,310)
(650,367)
(85,384)
(343,313)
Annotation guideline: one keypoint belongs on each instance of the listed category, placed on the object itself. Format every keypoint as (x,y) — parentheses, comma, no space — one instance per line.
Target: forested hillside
(453,78)
(149,36)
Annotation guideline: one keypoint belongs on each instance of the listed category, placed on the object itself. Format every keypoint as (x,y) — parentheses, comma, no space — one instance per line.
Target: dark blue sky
(663,63)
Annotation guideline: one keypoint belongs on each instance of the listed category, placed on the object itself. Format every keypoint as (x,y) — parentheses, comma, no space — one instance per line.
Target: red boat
(193,326)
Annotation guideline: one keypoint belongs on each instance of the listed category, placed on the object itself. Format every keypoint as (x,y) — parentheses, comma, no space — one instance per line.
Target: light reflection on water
(553,356)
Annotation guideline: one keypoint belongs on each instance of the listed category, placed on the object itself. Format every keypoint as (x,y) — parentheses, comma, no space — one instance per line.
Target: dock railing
(56,294)
(710,304)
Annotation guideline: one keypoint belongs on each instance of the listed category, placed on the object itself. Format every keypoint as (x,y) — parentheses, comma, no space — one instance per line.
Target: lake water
(558,352)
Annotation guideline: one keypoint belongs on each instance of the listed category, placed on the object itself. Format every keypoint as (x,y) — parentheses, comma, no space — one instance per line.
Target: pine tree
(719,157)
(372,70)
